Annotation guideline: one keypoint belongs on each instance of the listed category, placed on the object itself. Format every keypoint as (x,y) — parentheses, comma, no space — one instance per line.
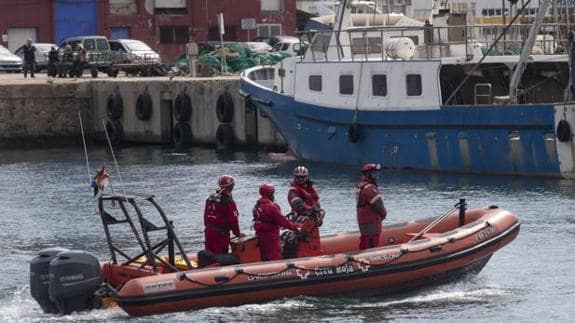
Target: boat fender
(183,107)
(354,132)
(225,138)
(115,131)
(182,135)
(39,278)
(75,276)
(144,107)
(114,106)
(225,108)
(221,279)
(564,133)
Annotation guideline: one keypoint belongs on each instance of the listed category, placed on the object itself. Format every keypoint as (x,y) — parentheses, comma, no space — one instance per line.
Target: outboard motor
(40,278)
(74,277)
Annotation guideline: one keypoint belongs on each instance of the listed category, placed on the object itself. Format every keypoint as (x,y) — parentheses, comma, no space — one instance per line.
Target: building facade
(166,25)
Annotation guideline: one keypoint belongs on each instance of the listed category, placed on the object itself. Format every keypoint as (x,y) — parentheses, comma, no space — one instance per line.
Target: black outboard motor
(40,278)
(74,277)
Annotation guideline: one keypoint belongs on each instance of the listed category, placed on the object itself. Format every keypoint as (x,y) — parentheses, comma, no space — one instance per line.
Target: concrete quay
(183,111)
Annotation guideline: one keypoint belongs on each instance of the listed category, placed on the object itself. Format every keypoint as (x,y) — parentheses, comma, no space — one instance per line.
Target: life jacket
(306,192)
(220,213)
(268,218)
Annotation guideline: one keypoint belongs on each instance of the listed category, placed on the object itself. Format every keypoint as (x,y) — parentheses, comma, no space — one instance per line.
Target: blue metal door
(75,18)
(121,33)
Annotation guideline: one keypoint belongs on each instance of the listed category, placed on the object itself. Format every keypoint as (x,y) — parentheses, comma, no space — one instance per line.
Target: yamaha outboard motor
(74,277)
(40,278)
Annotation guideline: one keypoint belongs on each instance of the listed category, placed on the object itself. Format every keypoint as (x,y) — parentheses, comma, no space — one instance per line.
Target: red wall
(201,15)
(27,14)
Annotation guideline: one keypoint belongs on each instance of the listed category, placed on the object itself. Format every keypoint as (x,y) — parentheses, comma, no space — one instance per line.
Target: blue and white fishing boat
(425,98)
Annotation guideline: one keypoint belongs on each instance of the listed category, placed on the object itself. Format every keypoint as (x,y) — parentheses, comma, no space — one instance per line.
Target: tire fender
(225,138)
(114,106)
(115,131)
(183,107)
(225,108)
(182,134)
(144,107)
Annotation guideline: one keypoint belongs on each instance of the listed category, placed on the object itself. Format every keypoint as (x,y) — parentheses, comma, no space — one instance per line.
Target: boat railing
(430,42)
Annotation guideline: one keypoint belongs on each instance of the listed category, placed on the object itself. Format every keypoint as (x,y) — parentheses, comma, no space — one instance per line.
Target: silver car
(8,61)
(42,50)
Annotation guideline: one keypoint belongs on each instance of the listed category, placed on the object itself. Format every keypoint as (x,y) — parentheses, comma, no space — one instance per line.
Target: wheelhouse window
(346,84)
(315,83)
(379,85)
(413,82)
(174,34)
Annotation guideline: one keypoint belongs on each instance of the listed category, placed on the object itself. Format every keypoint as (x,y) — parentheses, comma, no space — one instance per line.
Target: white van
(132,51)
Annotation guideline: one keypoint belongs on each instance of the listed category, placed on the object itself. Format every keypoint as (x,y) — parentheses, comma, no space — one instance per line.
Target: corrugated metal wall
(75,18)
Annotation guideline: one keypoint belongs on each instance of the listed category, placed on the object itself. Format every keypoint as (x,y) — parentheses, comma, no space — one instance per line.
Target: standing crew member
(370,209)
(267,222)
(221,216)
(29,57)
(304,201)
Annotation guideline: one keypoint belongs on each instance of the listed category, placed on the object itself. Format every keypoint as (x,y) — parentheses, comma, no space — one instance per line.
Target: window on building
(271,5)
(379,85)
(315,83)
(174,34)
(346,84)
(413,83)
(170,7)
(123,7)
(269,30)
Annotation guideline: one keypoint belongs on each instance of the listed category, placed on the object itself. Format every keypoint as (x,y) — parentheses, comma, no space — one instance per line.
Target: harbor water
(45,201)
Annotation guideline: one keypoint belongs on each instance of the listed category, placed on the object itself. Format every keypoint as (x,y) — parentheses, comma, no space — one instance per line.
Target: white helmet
(300,171)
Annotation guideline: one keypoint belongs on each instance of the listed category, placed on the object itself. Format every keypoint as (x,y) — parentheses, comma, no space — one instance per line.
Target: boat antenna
(517,14)
(85,147)
(114,157)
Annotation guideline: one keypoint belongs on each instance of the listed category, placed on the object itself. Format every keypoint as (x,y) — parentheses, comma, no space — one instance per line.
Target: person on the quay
(221,216)
(53,62)
(29,57)
(268,220)
(304,201)
(370,208)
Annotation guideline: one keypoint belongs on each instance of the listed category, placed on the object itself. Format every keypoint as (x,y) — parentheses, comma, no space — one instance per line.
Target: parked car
(99,55)
(291,46)
(258,48)
(42,50)
(8,61)
(132,51)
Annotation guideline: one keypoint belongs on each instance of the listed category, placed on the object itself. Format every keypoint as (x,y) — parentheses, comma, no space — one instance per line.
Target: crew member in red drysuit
(267,222)
(221,216)
(370,209)
(304,201)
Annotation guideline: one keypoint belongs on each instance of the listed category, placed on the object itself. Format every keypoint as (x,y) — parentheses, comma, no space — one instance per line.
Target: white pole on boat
(114,157)
(520,67)
(85,147)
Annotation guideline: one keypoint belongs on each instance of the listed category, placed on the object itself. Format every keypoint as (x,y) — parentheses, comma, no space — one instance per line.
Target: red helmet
(300,171)
(266,189)
(226,182)
(370,167)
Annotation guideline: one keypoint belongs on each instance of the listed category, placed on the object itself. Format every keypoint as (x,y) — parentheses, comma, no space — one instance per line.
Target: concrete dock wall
(186,111)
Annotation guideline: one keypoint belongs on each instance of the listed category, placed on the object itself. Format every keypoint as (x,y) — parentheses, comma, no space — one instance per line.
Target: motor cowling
(40,278)
(74,278)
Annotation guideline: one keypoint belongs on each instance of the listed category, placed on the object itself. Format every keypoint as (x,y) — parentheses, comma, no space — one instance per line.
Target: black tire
(225,108)
(113,72)
(225,138)
(354,132)
(182,135)
(183,107)
(94,72)
(115,131)
(144,107)
(564,133)
(114,106)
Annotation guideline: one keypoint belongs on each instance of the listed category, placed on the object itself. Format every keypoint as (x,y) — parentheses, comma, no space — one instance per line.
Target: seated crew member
(268,220)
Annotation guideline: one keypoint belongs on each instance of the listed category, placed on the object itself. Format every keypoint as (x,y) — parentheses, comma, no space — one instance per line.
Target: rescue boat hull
(399,265)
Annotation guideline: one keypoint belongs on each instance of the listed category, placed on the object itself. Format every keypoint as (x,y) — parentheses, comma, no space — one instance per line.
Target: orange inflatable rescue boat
(411,255)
